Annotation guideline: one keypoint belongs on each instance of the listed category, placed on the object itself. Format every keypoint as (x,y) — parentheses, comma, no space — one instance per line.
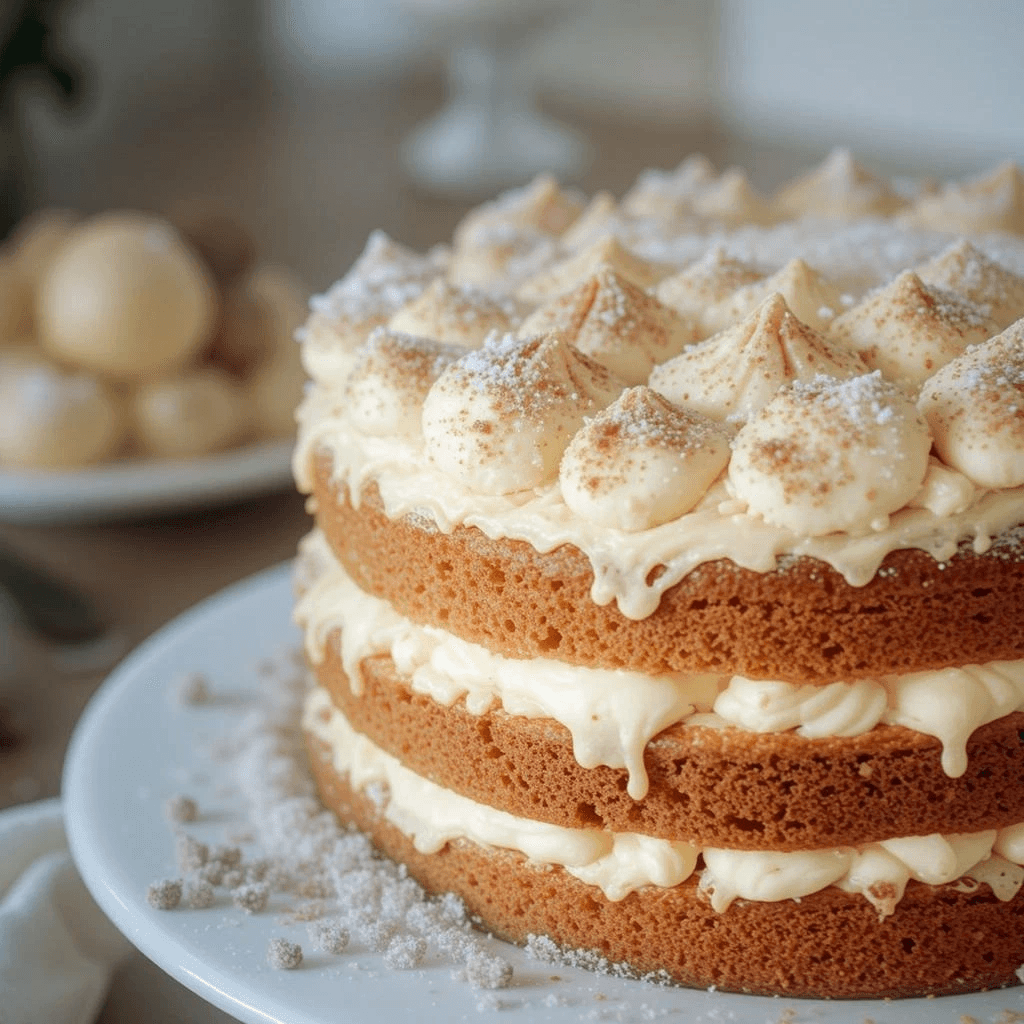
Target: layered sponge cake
(666,592)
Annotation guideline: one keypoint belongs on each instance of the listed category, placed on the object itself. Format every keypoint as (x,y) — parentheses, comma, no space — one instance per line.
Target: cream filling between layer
(717,528)
(613,714)
(620,863)
(948,703)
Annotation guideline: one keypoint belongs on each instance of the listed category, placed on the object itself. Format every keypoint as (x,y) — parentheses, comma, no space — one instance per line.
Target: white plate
(133,488)
(134,747)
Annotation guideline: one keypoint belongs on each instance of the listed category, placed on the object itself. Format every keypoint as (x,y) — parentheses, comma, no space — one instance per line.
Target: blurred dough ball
(275,387)
(285,296)
(126,298)
(15,304)
(274,392)
(259,316)
(200,412)
(51,419)
(224,244)
(244,335)
(27,254)
(38,239)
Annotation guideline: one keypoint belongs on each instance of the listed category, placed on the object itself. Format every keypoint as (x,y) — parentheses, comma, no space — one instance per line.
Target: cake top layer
(697,367)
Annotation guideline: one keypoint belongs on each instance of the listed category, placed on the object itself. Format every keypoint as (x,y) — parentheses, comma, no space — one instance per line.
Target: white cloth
(57,949)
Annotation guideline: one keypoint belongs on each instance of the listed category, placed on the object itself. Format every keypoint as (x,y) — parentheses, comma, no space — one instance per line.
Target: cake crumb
(193,689)
(966,1018)
(233,879)
(487,1002)
(198,893)
(543,948)
(251,898)
(229,856)
(212,873)
(485,970)
(376,934)
(305,912)
(283,955)
(257,870)
(405,952)
(329,936)
(164,894)
(180,808)
(191,854)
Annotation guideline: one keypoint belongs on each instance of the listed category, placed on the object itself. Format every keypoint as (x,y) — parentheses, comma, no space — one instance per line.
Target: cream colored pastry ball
(197,413)
(52,419)
(26,256)
(274,390)
(15,304)
(224,244)
(259,317)
(244,334)
(275,387)
(38,239)
(125,298)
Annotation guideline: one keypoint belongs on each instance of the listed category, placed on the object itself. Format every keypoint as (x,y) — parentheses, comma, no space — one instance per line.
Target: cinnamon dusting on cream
(909,330)
(616,322)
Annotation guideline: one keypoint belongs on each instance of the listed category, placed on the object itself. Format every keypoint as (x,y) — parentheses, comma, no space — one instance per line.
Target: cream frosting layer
(613,714)
(621,863)
(642,461)
(498,420)
(717,527)
(973,407)
(831,455)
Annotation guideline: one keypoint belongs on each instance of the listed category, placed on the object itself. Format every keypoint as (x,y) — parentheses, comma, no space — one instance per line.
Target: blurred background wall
(932,83)
(280,109)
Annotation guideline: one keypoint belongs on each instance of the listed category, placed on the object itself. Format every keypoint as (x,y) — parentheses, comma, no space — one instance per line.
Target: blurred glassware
(29,41)
(490,135)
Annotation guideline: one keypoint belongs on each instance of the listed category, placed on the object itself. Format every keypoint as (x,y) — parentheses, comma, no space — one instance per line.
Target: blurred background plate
(128,489)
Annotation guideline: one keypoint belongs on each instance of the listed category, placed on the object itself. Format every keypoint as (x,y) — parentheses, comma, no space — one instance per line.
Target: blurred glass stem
(490,135)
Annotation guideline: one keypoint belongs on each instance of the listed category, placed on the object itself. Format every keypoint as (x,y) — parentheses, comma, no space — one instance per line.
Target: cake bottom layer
(940,940)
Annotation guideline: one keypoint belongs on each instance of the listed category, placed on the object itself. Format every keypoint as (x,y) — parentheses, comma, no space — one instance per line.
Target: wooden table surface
(311,179)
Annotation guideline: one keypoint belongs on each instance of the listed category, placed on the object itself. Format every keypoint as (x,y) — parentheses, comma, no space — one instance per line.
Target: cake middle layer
(581,747)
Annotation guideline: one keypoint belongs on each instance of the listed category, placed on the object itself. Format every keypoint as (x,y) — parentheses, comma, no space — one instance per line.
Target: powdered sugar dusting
(383,279)
(312,866)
